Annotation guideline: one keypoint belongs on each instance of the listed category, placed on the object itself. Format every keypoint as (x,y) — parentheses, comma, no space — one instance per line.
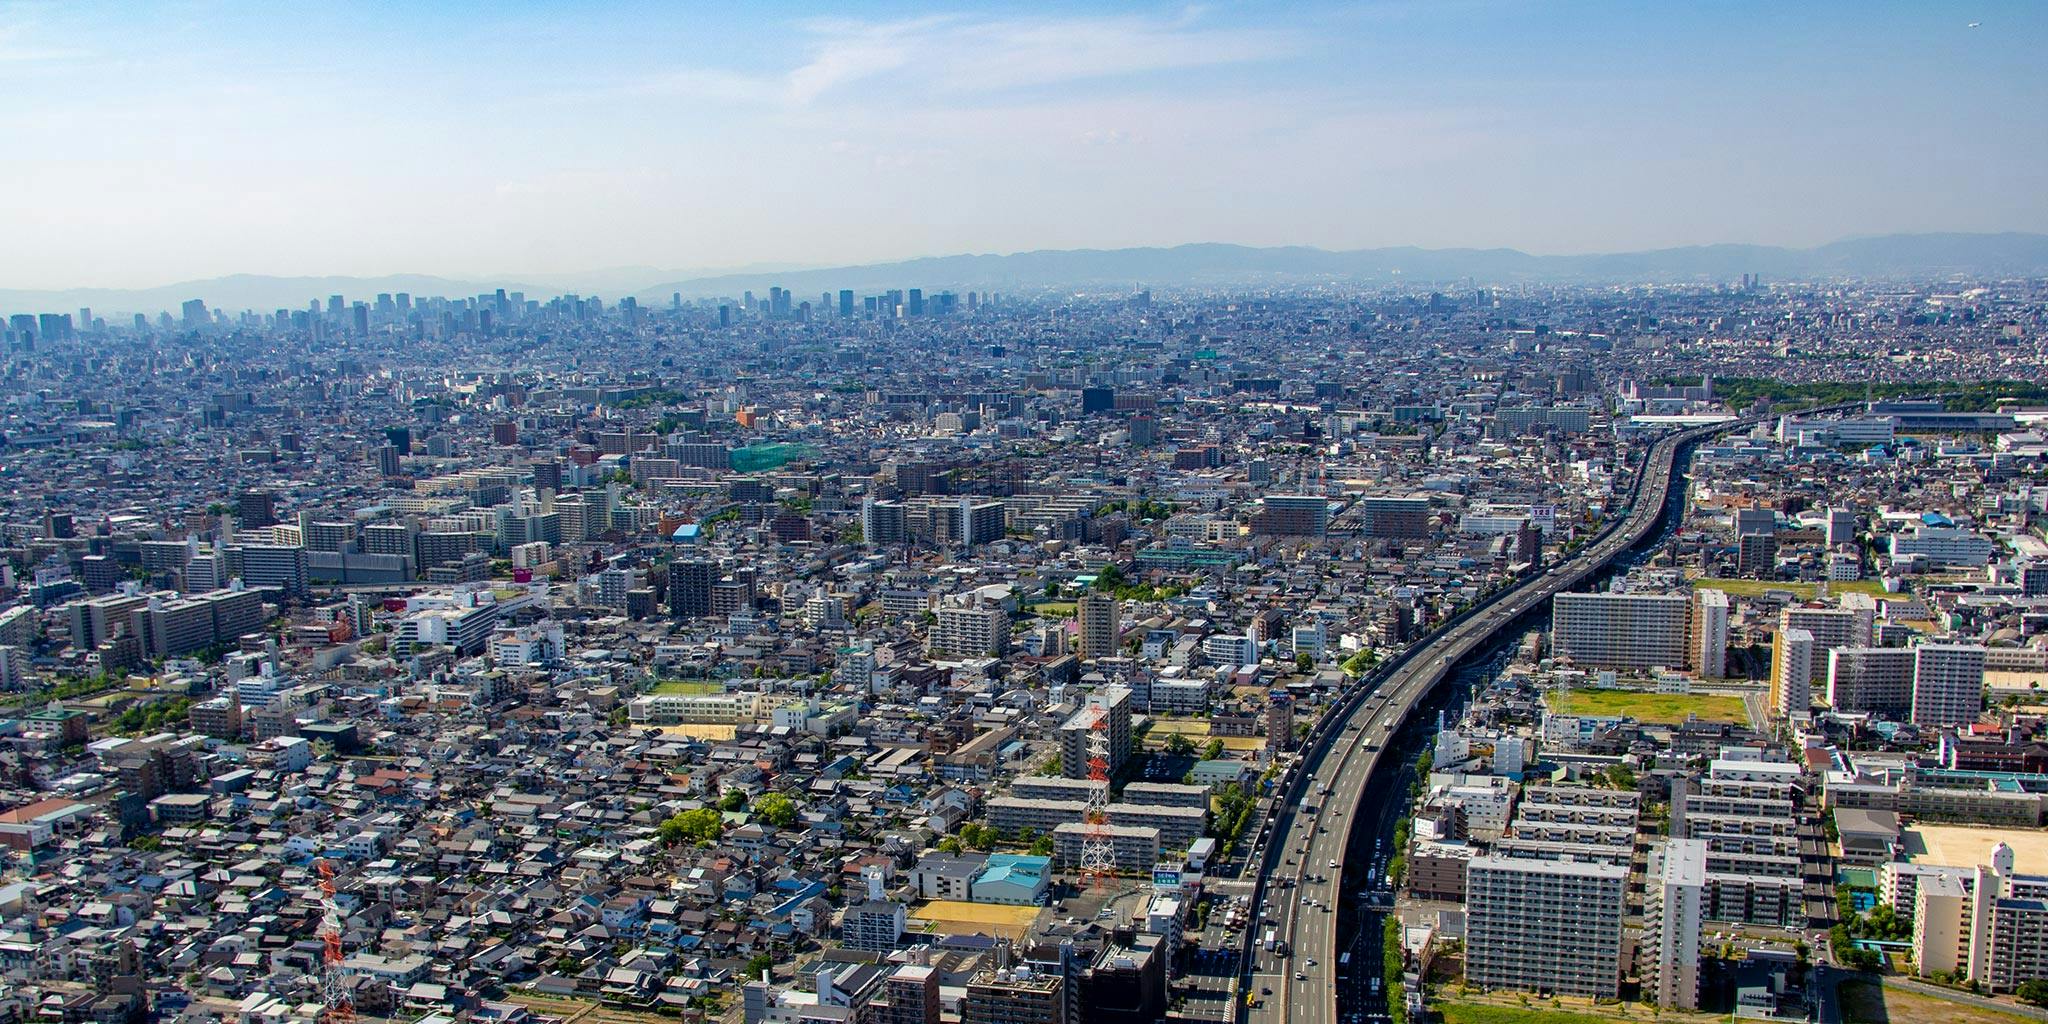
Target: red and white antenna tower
(333,983)
(1098,846)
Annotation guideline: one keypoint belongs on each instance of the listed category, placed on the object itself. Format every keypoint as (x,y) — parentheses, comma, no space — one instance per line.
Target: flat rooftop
(1966,846)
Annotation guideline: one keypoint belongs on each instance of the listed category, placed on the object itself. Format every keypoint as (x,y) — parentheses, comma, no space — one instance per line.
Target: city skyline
(185,142)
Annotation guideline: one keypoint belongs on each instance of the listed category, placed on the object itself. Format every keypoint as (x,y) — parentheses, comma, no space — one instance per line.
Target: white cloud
(19,46)
(958,57)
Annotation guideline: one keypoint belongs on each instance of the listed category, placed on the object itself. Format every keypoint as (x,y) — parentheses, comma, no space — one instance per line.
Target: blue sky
(162,142)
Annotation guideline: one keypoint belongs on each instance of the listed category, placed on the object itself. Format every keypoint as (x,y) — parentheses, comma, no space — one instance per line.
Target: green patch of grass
(1468,1013)
(1663,708)
(1801,591)
(686,687)
(1053,609)
(1874,588)
(1757,588)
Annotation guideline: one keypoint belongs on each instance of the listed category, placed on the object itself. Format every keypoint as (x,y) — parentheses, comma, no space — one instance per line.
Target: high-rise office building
(547,475)
(689,587)
(1100,630)
(256,508)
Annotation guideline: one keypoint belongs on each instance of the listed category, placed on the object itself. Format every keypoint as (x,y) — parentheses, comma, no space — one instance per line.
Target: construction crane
(333,982)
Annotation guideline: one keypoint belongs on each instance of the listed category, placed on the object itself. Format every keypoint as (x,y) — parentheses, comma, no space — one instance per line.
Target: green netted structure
(760,457)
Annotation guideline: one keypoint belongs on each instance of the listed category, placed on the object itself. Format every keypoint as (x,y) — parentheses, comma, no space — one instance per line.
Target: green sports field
(1802,591)
(1662,708)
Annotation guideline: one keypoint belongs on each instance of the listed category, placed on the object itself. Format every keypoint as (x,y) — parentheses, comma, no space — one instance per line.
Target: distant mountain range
(1212,264)
(1925,256)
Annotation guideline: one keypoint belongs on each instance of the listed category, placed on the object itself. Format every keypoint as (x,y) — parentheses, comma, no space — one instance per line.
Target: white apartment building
(1948,684)
(1634,632)
(1942,547)
(1673,910)
(1710,633)
(1551,927)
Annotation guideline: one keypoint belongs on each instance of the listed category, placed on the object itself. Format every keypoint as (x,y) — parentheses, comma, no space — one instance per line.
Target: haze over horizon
(551,141)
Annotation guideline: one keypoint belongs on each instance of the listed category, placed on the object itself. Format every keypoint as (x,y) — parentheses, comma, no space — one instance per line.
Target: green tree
(950,845)
(1391,962)
(1179,745)
(1041,846)
(1212,749)
(1304,662)
(761,965)
(776,810)
(977,837)
(702,825)
(2033,991)
(732,801)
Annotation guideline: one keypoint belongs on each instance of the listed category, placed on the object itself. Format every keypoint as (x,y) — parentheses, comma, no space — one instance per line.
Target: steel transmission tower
(333,982)
(1098,846)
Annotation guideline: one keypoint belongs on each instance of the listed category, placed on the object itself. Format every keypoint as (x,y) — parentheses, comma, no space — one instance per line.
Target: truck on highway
(1270,940)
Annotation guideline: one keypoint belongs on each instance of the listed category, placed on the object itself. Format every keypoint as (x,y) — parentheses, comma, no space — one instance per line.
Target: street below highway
(1311,835)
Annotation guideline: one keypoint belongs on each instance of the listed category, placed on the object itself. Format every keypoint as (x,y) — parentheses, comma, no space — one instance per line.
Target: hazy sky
(170,141)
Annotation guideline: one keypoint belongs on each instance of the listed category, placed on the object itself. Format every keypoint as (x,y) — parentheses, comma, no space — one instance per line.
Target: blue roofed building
(1011,878)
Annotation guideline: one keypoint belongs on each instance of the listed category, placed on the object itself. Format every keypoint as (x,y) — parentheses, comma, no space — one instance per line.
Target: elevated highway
(1302,859)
